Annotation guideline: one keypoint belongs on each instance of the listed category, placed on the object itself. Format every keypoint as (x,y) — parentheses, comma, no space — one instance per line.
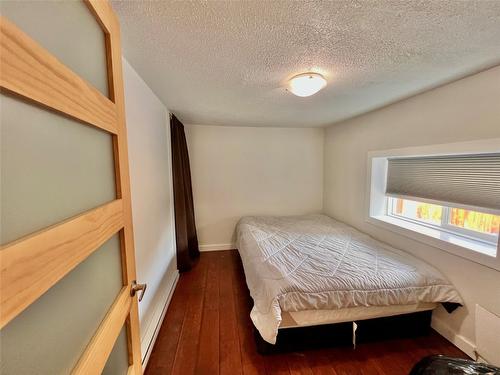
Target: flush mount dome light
(307,84)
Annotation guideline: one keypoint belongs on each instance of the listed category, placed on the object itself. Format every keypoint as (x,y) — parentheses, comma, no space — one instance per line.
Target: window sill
(477,251)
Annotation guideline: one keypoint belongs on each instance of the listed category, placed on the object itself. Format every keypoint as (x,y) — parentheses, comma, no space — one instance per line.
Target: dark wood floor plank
(163,355)
(415,350)
(365,354)
(187,349)
(320,363)
(347,361)
(208,353)
(389,357)
(230,354)
(207,330)
(252,362)
(276,364)
(298,365)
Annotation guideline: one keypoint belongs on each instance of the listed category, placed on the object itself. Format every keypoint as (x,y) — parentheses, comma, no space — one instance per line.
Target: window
(442,195)
(472,224)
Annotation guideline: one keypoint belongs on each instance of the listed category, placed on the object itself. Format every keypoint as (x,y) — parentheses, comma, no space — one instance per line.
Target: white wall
(238,171)
(465,110)
(152,205)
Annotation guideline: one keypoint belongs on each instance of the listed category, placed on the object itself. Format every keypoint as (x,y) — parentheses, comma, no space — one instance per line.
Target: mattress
(313,262)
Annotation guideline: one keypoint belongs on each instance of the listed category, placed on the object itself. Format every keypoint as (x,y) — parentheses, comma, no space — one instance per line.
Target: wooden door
(65,194)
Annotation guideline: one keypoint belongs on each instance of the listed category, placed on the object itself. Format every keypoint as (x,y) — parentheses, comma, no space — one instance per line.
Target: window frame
(453,240)
(445,223)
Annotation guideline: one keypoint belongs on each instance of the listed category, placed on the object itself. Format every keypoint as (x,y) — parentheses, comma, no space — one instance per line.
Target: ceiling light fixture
(306,84)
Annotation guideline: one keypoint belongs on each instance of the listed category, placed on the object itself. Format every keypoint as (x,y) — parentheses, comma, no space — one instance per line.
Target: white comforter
(314,262)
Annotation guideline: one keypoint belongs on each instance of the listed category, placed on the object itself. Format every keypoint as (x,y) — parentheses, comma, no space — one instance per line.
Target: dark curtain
(185,229)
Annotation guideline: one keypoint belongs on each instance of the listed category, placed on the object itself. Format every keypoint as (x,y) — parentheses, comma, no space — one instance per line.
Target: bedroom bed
(313,270)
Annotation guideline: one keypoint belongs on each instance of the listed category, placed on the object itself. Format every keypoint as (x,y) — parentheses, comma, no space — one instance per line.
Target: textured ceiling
(227,63)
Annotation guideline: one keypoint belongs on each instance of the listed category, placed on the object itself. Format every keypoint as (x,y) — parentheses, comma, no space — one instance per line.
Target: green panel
(68,30)
(52,168)
(49,337)
(117,363)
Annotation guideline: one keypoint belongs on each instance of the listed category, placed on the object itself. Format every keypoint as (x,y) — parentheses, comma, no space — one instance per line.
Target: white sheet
(314,262)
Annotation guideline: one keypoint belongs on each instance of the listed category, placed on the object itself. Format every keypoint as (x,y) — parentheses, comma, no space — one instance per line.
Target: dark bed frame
(341,334)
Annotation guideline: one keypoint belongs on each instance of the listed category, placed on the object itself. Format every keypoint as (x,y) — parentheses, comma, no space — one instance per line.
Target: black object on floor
(441,365)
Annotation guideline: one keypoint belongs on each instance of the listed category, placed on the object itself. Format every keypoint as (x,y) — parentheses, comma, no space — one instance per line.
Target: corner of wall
(452,336)
(325,163)
(217,247)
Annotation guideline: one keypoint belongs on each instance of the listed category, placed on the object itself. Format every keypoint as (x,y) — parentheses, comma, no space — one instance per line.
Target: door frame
(33,264)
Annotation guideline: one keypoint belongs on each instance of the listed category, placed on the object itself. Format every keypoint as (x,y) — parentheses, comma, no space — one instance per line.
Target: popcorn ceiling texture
(227,63)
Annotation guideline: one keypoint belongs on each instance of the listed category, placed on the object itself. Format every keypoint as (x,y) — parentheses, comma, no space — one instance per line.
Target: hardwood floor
(207,330)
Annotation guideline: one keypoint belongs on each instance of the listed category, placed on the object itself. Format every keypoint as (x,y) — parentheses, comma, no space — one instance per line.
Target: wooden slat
(120,147)
(123,188)
(134,338)
(30,266)
(108,20)
(29,70)
(98,350)
(104,14)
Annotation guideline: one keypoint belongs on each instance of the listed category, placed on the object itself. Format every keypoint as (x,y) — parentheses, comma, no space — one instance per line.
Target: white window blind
(463,180)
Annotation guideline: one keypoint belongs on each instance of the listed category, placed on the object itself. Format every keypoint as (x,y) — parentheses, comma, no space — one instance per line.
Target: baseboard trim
(217,247)
(151,333)
(458,340)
